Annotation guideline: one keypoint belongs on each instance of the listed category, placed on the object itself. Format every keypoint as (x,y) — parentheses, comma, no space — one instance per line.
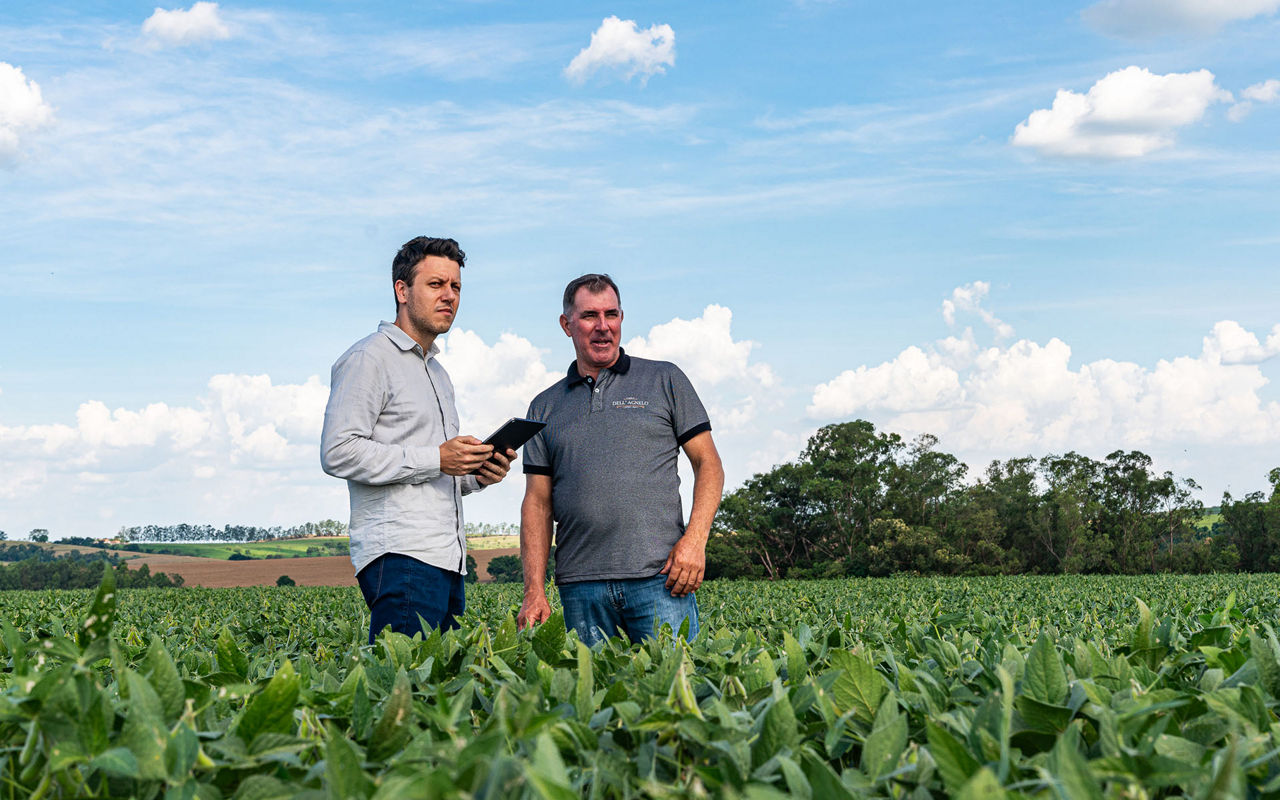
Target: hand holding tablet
(513,433)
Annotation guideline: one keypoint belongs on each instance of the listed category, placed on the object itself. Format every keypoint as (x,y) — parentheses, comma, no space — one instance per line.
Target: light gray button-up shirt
(390,408)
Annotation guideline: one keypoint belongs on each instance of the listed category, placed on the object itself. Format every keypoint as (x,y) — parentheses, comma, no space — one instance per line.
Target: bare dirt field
(319,571)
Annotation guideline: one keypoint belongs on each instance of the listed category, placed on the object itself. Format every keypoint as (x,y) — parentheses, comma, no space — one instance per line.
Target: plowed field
(319,571)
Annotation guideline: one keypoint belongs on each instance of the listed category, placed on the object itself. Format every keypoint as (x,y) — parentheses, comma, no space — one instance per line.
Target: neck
(588,371)
(423,338)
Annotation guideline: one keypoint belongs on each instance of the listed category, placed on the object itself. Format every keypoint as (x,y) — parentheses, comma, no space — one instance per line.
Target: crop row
(1053,687)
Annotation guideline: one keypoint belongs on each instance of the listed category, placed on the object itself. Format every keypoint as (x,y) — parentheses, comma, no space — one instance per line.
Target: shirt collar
(403,340)
(619,367)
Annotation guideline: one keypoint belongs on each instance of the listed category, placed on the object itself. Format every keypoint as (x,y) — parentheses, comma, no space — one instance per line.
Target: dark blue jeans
(398,589)
(599,609)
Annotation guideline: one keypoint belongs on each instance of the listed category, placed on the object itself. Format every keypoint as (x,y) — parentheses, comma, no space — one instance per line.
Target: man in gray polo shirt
(391,430)
(604,473)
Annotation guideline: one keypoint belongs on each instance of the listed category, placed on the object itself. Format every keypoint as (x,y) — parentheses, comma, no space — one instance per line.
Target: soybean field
(1067,687)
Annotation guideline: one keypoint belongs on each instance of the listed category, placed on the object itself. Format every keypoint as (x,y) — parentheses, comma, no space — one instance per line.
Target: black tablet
(514,433)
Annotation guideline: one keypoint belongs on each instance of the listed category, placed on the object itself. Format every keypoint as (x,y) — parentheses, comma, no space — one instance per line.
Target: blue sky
(1025,229)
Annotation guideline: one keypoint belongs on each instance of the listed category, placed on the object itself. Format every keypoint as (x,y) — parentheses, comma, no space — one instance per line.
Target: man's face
(431,303)
(595,325)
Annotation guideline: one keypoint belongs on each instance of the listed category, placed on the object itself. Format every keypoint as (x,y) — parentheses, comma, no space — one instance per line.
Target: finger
(500,460)
(467,440)
(512,455)
(666,568)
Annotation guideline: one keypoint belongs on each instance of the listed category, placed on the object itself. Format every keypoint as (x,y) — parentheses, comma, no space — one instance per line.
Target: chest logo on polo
(630,403)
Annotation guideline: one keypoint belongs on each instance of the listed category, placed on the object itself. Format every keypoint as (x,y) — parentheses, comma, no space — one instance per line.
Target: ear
(402,292)
(564,325)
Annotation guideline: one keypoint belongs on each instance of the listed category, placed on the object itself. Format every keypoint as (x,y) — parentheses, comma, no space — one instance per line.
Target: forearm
(346,454)
(708,486)
(535,543)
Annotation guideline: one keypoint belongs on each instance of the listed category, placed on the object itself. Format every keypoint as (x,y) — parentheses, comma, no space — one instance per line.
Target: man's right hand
(535,610)
(463,455)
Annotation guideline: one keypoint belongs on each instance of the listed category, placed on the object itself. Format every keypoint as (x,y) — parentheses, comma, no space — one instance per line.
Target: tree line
(863,502)
(32,567)
(185,532)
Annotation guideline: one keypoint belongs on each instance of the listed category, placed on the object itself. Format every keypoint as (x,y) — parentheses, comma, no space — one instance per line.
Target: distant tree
(238,556)
(40,535)
(3,536)
(472,577)
(285,580)
(506,569)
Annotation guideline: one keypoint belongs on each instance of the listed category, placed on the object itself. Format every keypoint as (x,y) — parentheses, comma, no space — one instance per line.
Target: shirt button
(597,391)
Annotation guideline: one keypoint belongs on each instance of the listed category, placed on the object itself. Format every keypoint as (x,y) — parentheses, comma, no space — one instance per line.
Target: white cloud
(493,383)
(1141,18)
(1127,114)
(202,22)
(1028,397)
(1265,92)
(248,449)
(969,298)
(733,388)
(620,46)
(22,109)
(1229,343)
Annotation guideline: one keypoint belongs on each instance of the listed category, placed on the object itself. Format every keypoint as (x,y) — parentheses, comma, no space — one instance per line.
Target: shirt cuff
(692,432)
(425,461)
(470,484)
(534,469)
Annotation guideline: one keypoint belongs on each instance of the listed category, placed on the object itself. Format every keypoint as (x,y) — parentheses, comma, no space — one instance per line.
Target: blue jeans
(398,589)
(598,609)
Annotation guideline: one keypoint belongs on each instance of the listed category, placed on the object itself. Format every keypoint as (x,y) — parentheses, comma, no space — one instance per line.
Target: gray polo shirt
(390,408)
(611,447)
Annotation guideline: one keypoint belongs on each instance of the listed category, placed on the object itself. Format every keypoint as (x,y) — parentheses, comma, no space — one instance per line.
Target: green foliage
(506,569)
(285,580)
(471,569)
(861,502)
(1078,687)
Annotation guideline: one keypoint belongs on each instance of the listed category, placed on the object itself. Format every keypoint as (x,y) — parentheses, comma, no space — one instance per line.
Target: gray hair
(593,282)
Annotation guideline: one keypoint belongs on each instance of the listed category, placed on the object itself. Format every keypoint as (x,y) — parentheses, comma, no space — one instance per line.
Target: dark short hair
(405,265)
(594,282)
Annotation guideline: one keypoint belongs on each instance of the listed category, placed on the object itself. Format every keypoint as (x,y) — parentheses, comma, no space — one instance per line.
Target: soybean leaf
(982,786)
(1045,679)
(1074,779)
(883,748)
(777,729)
(230,659)
(163,675)
(344,779)
(392,730)
(548,639)
(585,686)
(271,710)
(547,773)
(860,688)
(955,764)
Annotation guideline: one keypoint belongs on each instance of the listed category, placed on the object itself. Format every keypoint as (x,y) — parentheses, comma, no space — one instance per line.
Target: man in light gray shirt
(391,430)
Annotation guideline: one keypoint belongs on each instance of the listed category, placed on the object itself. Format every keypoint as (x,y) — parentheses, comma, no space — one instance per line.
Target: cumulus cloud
(1127,114)
(22,109)
(1029,397)
(202,22)
(969,298)
(620,46)
(1265,92)
(1140,18)
(493,383)
(1229,343)
(733,387)
(248,448)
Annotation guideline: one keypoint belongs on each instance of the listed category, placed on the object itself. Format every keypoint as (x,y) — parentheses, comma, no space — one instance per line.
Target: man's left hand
(685,565)
(496,468)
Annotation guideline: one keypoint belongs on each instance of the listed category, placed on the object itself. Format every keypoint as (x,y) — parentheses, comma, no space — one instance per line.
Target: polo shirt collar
(403,340)
(619,367)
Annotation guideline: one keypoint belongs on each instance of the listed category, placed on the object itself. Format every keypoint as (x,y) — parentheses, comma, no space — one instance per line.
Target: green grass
(289,548)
